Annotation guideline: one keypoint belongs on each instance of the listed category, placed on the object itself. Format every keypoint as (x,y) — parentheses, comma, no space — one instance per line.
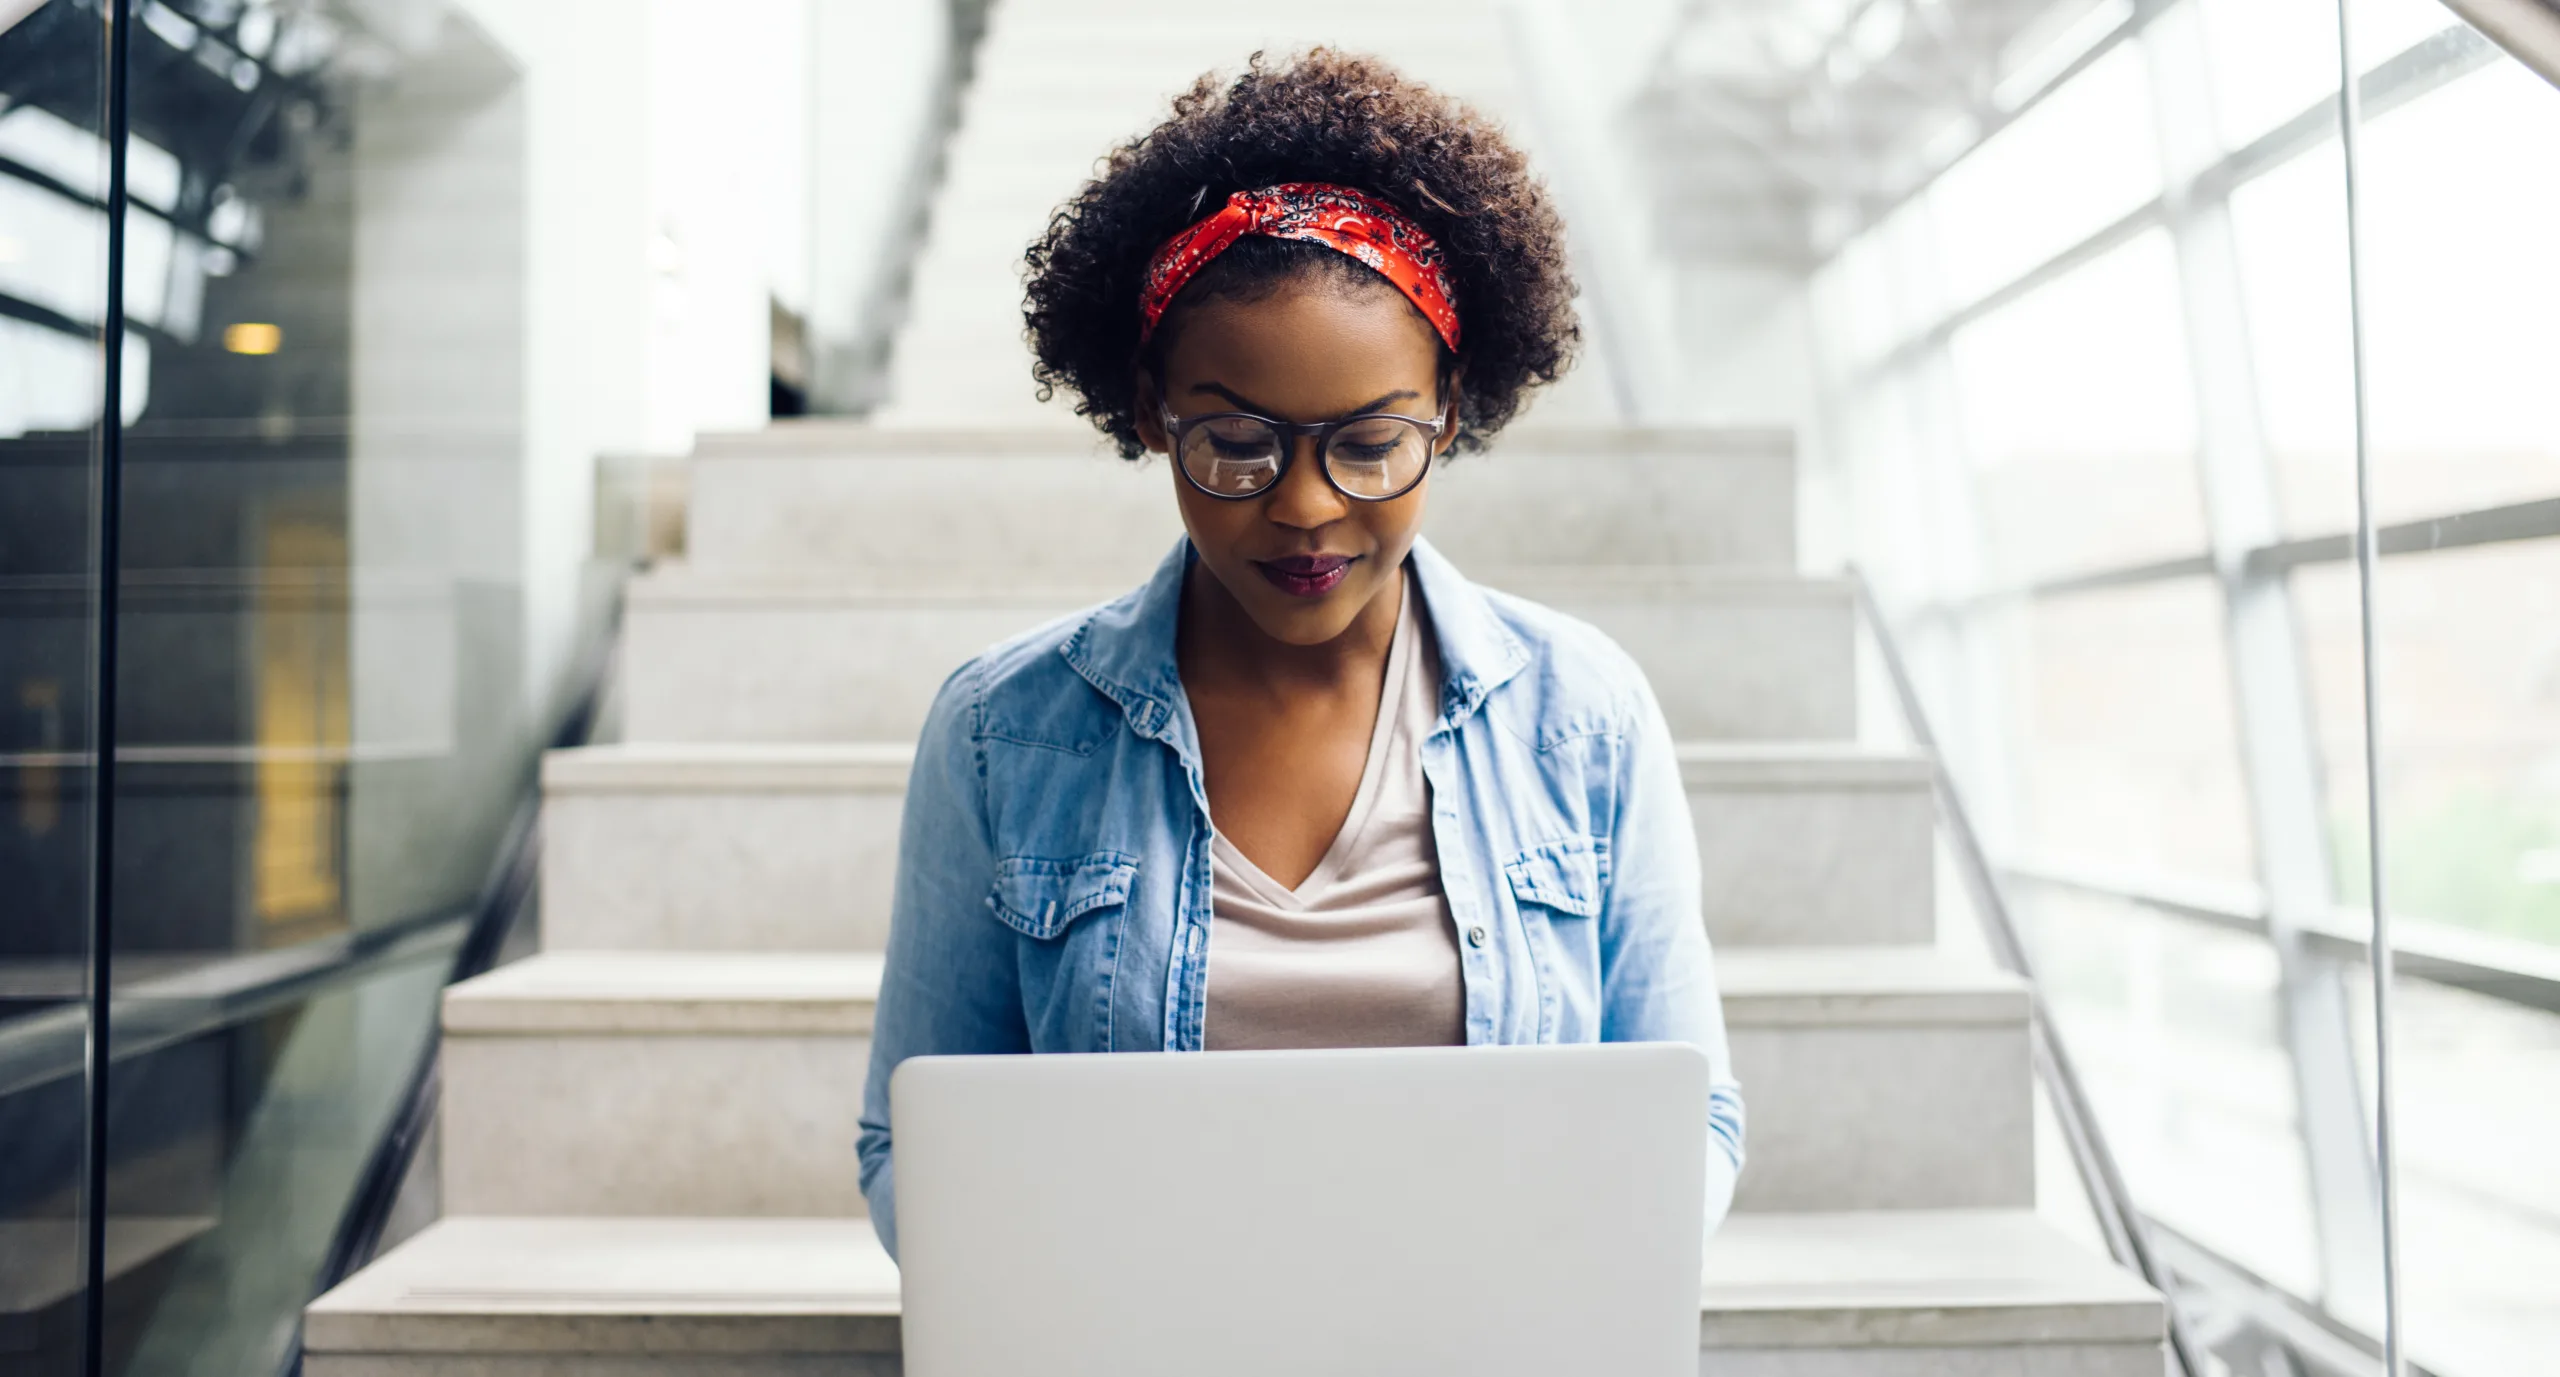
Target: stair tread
(670,992)
(1769,986)
(1070,437)
(1863,1278)
(678,583)
(1802,764)
(727,766)
(715,992)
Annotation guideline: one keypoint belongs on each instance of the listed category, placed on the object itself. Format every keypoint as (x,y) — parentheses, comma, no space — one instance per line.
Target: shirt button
(1475,936)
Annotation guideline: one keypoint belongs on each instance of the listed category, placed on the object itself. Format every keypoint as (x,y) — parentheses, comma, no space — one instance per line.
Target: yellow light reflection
(252,337)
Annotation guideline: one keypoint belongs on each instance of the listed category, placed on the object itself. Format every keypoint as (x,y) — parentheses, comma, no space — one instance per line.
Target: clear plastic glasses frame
(1246,455)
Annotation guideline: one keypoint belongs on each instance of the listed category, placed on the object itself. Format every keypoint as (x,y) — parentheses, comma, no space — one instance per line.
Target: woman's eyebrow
(1242,403)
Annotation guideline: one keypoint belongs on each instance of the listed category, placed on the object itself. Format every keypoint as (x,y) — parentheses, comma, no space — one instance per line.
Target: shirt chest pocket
(1072,911)
(1042,898)
(1557,887)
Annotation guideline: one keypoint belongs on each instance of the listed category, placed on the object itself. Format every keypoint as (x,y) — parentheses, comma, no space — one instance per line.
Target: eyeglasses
(1234,455)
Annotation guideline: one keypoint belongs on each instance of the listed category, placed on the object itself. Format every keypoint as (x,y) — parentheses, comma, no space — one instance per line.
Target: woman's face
(1313,351)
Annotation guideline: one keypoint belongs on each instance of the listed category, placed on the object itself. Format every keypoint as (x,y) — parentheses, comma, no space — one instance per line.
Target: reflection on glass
(317,1083)
(325,714)
(53,275)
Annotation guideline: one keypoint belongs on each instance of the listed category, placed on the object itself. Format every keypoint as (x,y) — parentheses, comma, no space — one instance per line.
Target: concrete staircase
(648,1128)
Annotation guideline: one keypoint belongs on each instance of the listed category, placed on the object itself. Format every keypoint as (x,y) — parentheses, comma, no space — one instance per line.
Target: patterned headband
(1335,216)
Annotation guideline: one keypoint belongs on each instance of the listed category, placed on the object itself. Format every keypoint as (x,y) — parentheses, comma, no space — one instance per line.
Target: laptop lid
(1490,1211)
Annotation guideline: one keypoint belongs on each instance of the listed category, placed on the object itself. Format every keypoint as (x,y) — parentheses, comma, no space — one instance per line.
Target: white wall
(876,81)
(685,164)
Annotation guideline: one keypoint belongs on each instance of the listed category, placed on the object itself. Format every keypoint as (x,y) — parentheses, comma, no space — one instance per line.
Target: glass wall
(53,275)
(2094,393)
(328,700)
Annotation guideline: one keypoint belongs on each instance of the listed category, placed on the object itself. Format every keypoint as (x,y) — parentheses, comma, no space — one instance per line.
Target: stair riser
(1855,1117)
(1886,1116)
(1100,519)
(812,869)
(696,871)
(1817,866)
(652,1124)
(1728,668)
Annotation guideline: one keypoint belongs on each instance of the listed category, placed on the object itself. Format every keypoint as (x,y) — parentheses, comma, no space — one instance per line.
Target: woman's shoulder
(1026,689)
(1571,675)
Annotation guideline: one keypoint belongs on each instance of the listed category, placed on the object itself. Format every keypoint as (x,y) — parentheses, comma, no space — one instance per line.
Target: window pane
(2079,160)
(2274,59)
(2175,1033)
(2470,665)
(2289,227)
(2476,1082)
(2127,752)
(2080,389)
(2461,290)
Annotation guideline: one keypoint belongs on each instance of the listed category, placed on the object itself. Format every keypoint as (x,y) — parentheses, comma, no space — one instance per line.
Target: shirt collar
(1125,648)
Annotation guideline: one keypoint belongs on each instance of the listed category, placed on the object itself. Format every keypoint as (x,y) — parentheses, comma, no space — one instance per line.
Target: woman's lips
(1305,576)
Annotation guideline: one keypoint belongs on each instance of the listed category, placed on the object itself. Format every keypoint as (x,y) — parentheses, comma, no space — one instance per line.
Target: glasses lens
(1232,456)
(1377,457)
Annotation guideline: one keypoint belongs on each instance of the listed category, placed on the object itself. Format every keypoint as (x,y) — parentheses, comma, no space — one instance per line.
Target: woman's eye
(1365,454)
(1251,448)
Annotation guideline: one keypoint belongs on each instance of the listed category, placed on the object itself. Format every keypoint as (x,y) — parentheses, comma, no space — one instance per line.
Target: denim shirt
(1053,865)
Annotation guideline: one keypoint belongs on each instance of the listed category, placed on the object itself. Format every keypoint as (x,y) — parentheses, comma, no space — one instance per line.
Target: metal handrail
(2127,1232)
(2528,29)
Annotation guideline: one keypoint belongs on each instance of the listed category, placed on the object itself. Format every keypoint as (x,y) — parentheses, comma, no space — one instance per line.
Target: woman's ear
(1149,415)
(1452,388)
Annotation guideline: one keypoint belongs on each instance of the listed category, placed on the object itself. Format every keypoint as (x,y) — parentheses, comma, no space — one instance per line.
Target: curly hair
(1323,116)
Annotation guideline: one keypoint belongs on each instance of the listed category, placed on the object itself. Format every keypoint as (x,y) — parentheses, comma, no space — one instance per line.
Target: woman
(1308,786)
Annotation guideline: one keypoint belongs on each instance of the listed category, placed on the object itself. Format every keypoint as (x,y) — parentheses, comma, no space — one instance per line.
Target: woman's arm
(949,985)
(1657,976)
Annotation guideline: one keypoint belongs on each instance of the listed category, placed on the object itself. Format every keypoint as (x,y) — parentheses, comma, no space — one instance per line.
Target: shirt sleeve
(1658,980)
(949,985)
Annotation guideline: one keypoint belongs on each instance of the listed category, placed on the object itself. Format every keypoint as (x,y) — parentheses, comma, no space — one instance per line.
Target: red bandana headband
(1335,216)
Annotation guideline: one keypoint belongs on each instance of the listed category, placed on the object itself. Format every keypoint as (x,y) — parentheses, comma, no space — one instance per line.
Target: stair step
(731,657)
(765,847)
(1804,843)
(628,1082)
(737,847)
(1879,1078)
(807,497)
(1866,1294)
(658,1083)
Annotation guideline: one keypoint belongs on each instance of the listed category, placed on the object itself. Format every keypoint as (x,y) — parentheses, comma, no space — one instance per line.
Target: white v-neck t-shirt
(1362,953)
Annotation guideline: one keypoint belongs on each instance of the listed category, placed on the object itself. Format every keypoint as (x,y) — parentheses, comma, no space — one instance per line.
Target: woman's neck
(1220,645)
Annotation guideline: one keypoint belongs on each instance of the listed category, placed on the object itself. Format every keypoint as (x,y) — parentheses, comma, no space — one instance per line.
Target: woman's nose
(1303,498)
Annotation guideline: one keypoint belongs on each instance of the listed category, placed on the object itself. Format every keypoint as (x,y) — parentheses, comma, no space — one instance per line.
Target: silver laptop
(1488,1211)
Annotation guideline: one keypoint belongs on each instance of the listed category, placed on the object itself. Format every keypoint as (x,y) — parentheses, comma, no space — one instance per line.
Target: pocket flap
(1560,875)
(1038,898)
